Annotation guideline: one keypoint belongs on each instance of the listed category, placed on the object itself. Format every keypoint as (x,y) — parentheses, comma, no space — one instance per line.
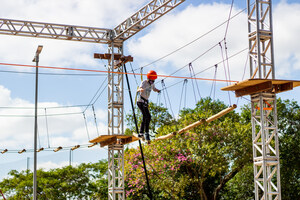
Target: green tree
(289,148)
(242,185)
(195,165)
(86,181)
(159,117)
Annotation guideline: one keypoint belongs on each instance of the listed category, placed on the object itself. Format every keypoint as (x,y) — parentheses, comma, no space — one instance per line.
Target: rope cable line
(90,103)
(211,67)
(192,61)
(213,85)
(193,84)
(95,119)
(182,47)
(164,86)
(181,96)
(86,127)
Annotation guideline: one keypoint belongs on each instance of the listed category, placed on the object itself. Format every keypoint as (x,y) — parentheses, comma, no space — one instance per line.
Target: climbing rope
(137,130)
(2,195)
(95,119)
(213,86)
(184,85)
(86,127)
(164,90)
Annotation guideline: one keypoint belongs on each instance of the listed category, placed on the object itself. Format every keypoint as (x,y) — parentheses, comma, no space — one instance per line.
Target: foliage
(242,186)
(159,117)
(195,165)
(289,146)
(86,181)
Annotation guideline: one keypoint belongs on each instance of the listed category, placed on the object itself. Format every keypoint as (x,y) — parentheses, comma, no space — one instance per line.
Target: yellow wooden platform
(252,86)
(105,140)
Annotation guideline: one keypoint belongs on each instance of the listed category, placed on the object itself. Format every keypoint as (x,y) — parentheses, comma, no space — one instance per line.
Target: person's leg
(141,107)
(147,122)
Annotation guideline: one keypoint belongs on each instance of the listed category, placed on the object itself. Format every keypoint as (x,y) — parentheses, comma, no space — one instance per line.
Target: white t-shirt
(147,90)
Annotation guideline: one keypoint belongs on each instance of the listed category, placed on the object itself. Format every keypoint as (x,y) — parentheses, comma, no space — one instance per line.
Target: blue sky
(189,21)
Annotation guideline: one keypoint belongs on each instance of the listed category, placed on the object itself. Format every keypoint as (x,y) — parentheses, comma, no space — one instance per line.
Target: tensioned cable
(193,61)
(182,91)
(49,115)
(193,40)
(90,103)
(193,84)
(91,70)
(48,149)
(95,119)
(86,127)
(225,72)
(246,63)
(213,86)
(45,73)
(134,75)
(55,107)
(194,75)
(210,67)
(164,86)
(100,94)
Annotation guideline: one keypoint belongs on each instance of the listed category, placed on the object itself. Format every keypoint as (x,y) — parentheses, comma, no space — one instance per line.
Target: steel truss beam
(263,105)
(144,17)
(54,31)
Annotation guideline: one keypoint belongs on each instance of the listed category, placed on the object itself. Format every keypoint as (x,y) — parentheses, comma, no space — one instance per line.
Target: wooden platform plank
(252,86)
(253,82)
(197,123)
(105,140)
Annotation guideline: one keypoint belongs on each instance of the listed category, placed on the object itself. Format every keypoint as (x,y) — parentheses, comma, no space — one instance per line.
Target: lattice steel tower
(263,104)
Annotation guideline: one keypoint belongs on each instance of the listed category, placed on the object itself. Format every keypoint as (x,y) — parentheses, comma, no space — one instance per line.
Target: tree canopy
(211,161)
(86,181)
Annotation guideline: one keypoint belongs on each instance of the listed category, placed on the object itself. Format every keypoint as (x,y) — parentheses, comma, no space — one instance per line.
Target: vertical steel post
(36,60)
(115,125)
(263,104)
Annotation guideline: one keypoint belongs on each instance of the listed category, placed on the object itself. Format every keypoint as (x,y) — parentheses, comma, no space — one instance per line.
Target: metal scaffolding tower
(114,38)
(263,104)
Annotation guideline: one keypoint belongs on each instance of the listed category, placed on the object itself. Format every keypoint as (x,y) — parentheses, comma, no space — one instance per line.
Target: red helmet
(152,75)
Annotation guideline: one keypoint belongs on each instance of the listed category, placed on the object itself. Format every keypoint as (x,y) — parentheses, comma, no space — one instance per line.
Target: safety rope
(154,121)
(182,91)
(95,119)
(137,131)
(90,103)
(165,89)
(201,36)
(2,194)
(213,86)
(86,127)
(225,71)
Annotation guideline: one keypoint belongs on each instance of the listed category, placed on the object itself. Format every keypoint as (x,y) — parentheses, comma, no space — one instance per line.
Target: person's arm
(155,89)
(140,89)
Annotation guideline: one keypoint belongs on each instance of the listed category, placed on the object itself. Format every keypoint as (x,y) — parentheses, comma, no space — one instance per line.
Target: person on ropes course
(142,102)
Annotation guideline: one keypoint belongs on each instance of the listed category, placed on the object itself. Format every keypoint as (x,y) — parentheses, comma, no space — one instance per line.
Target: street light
(36,60)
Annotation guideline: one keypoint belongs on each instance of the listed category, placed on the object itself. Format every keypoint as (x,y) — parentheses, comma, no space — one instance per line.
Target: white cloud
(17,125)
(177,29)
(94,13)
(51,165)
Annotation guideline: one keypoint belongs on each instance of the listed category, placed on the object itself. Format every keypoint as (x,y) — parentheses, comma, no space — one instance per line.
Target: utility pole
(36,60)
